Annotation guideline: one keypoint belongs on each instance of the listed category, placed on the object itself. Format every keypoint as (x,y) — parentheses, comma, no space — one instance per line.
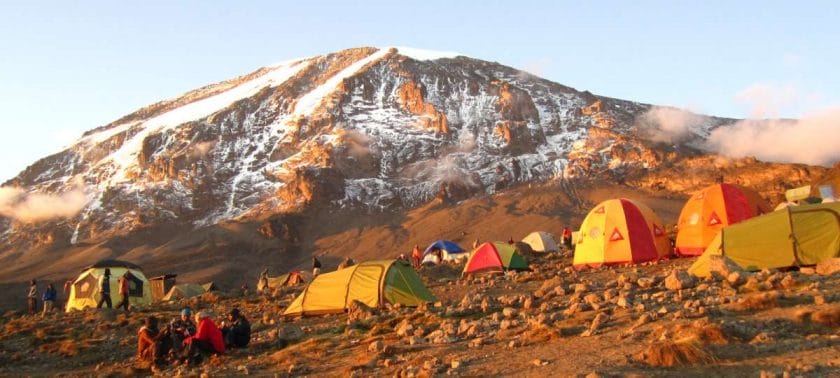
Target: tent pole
(792,236)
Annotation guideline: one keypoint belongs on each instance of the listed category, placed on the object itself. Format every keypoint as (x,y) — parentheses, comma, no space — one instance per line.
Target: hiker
(122,282)
(511,241)
(416,256)
(437,255)
(105,289)
(49,299)
(207,340)
(567,238)
(181,328)
(237,330)
(347,262)
(316,267)
(148,338)
(476,243)
(402,257)
(32,298)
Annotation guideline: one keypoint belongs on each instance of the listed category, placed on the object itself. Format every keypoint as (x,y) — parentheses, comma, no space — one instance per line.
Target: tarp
(373,283)
(289,279)
(84,292)
(798,194)
(541,241)
(496,256)
(184,290)
(711,209)
(797,235)
(449,250)
(620,231)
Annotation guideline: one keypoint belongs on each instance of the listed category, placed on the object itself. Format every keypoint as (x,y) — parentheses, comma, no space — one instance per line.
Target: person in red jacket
(207,340)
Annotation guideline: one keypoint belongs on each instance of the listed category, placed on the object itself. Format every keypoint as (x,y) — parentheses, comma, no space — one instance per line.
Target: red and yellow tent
(710,210)
(496,256)
(620,231)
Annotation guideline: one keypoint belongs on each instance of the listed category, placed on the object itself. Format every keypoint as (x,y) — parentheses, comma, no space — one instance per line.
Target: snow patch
(420,54)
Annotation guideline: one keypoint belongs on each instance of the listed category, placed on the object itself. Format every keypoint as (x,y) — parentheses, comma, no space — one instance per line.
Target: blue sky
(66,67)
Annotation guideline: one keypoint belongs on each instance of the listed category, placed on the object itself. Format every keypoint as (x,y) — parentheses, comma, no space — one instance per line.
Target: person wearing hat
(180,329)
(207,340)
(236,330)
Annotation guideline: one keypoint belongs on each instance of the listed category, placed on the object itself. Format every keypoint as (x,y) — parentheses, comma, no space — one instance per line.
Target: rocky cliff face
(366,128)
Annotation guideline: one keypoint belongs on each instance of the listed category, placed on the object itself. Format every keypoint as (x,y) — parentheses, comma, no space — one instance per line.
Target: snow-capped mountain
(368,128)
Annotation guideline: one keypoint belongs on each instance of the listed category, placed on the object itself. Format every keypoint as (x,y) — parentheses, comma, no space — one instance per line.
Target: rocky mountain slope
(244,165)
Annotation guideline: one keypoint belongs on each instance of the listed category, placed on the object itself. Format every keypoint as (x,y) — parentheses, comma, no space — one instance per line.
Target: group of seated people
(181,341)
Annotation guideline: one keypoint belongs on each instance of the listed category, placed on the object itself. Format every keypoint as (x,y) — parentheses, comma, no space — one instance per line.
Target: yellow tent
(620,231)
(373,283)
(541,241)
(85,289)
(184,290)
(800,235)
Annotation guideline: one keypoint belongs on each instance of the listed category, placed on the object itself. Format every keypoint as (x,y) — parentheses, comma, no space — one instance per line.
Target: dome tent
(451,251)
(796,236)
(495,256)
(712,209)
(84,292)
(373,283)
(541,241)
(620,231)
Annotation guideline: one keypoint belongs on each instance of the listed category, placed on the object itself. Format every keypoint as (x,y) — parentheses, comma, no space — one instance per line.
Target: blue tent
(451,251)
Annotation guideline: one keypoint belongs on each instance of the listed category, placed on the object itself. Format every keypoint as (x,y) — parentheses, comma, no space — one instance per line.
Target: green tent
(184,290)
(373,283)
(793,236)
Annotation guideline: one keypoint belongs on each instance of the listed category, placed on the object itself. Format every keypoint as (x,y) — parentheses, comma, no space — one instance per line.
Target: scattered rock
(509,312)
(645,282)
(721,266)
(679,280)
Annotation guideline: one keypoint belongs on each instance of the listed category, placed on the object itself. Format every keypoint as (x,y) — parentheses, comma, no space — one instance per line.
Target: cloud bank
(26,207)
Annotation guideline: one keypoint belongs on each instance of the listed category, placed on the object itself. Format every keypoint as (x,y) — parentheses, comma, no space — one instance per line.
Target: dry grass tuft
(827,317)
(760,301)
(539,335)
(669,353)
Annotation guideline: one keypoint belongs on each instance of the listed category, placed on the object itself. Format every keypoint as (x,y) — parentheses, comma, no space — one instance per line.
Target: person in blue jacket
(49,298)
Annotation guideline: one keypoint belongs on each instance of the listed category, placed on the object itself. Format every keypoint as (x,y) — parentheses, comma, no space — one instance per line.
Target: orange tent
(620,231)
(711,209)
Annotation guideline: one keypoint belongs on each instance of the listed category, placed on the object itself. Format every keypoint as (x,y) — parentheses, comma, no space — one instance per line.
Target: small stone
(819,300)
(376,346)
(514,344)
(829,266)
(455,364)
(679,280)
(509,312)
(581,288)
(645,282)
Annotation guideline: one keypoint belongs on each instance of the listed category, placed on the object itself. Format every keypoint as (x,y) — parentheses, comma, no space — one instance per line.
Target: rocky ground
(644,320)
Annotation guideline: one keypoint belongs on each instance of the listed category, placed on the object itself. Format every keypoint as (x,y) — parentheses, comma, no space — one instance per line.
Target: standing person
(416,256)
(32,298)
(567,238)
(49,299)
(122,282)
(105,289)
(476,243)
(316,267)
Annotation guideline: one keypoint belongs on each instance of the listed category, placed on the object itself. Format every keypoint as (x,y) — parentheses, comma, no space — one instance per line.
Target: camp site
(420,189)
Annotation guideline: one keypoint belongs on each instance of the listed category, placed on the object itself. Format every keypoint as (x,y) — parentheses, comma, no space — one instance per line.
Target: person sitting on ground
(180,329)
(237,330)
(206,341)
(32,297)
(49,298)
(438,255)
(147,340)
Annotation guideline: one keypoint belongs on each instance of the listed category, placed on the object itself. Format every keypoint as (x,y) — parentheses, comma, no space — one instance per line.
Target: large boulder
(828,267)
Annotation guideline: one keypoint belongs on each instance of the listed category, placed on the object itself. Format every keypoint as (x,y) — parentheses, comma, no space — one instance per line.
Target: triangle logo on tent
(714,220)
(657,231)
(616,235)
(599,210)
